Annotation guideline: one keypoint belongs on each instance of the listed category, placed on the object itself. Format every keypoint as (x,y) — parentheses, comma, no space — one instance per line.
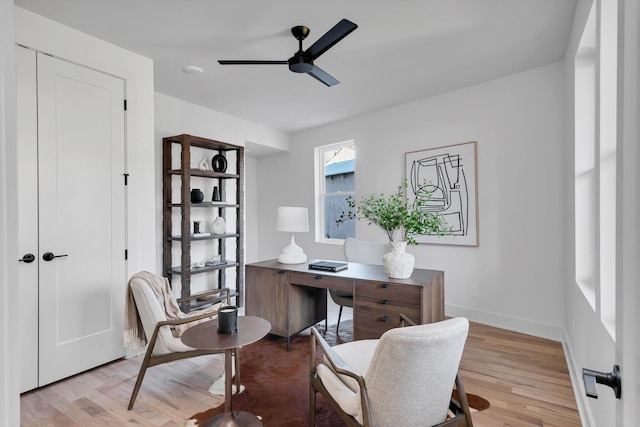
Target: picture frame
(449,173)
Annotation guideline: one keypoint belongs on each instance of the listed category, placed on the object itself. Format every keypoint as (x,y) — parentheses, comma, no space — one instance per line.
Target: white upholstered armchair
(153,318)
(405,378)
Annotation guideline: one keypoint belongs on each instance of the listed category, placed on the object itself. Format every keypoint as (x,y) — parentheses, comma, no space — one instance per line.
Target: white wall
(9,352)
(48,36)
(175,117)
(518,123)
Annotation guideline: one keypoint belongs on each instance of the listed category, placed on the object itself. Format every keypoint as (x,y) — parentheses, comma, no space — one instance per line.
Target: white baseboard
(511,323)
(576,380)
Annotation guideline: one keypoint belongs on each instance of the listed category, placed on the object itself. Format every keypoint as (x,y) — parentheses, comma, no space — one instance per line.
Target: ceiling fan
(302,61)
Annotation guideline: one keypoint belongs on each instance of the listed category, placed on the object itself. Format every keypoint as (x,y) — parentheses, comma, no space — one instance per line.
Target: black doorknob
(28,258)
(48,256)
(610,379)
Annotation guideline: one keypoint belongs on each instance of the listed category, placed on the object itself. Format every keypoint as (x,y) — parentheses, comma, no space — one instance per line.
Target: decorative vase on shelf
(398,264)
(197,196)
(216,194)
(204,165)
(218,226)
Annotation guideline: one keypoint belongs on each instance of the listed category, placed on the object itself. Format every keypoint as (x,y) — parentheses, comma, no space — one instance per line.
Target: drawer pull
(384,319)
(384,301)
(385,286)
(318,277)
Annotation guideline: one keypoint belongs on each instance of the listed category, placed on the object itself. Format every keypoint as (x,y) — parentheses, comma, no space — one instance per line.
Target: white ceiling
(403,50)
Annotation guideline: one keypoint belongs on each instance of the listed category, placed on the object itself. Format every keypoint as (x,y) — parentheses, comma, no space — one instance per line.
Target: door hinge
(126,178)
(125,105)
(126,254)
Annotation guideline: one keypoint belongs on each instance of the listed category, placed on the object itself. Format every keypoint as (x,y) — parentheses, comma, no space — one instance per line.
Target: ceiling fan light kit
(192,70)
(302,60)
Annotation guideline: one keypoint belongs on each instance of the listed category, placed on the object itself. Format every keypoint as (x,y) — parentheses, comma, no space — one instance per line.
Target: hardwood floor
(525,379)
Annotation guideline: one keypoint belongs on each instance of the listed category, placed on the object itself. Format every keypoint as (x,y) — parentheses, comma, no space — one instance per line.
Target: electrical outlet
(473,290)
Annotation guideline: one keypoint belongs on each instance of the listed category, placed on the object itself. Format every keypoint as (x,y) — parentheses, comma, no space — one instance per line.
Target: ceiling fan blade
(331,37)
(319,74)
(250,62)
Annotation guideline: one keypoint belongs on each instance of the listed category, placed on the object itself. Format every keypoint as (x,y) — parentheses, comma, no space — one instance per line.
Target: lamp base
(292,253)
(292,258)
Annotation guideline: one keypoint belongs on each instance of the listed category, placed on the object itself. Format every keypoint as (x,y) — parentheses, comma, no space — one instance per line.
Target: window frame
(319,188)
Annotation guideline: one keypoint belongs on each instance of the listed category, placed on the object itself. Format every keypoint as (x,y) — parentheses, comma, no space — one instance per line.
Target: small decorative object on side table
(205,336)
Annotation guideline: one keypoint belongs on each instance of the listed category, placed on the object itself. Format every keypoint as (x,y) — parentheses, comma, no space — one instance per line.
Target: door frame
(628,300)
(9,388)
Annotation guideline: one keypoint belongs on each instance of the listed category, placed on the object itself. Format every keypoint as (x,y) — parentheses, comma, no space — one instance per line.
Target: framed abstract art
(450,175)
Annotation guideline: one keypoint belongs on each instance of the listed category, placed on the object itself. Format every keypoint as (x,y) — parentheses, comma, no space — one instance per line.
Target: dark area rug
(277,382)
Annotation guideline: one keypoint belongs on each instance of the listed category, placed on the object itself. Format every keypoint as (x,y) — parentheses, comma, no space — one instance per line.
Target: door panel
(81,221)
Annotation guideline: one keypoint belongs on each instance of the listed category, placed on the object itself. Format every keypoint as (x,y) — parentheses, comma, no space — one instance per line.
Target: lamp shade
(292,219)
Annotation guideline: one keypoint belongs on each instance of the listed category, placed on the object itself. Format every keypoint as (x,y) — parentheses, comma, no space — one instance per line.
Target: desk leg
(230,418)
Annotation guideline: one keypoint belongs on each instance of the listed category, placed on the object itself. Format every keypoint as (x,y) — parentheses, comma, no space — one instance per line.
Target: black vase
(216,194)
(197,196)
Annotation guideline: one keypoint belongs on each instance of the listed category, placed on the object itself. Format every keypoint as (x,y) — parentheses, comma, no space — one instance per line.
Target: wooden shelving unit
(181,170)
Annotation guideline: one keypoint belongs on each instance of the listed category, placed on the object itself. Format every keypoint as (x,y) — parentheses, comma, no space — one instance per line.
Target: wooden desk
(292,297)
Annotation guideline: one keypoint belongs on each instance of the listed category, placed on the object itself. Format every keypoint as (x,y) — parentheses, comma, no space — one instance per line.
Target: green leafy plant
(395,213)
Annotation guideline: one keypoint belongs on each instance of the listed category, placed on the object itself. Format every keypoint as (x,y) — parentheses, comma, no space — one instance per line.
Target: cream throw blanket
(134,336)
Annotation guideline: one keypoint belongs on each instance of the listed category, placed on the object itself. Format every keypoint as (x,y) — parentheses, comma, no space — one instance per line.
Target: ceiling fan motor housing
(298,63)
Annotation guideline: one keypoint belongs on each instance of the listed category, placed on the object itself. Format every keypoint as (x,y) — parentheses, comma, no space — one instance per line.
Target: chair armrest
(176,322)
(340,367)
(405,321)
(336,362)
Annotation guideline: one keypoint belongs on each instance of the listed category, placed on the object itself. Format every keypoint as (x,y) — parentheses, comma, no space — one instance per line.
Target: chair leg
(339,316)
(312,406)
(312,389)
(143,370)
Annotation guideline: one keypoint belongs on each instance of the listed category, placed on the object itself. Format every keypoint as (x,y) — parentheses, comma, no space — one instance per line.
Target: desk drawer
(388,293)
(315,280)
(370,325)
(387,311)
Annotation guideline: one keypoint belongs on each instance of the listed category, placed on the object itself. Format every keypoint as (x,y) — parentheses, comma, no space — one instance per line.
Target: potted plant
(398,218)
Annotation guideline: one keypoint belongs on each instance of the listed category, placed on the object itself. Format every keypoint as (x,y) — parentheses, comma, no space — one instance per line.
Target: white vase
(398,264)
(218,226)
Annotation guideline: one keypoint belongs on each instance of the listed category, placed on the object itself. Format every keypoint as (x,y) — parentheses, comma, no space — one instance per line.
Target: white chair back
(412,373)
(364,252)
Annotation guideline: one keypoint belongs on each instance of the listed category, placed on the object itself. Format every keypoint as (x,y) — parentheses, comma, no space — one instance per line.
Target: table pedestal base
(233,419)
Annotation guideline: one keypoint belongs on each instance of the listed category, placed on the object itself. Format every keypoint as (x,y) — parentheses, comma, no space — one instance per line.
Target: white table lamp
(292,220)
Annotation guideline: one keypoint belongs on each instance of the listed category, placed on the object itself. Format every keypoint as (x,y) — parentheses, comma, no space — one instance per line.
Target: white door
(624,350)
(81,218)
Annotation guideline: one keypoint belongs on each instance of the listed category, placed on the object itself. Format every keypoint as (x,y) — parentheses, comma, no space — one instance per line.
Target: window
(335,182)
